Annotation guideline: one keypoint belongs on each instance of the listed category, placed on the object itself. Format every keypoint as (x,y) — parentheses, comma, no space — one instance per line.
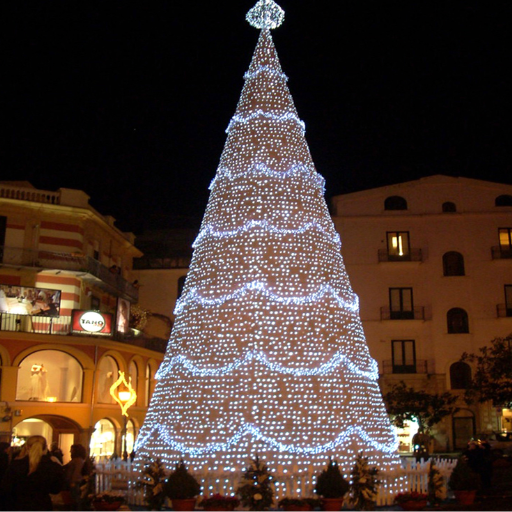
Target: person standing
(74,473)
(31,478)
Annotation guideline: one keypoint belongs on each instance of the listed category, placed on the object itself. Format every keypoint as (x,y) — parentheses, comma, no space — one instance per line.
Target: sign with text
(92,323)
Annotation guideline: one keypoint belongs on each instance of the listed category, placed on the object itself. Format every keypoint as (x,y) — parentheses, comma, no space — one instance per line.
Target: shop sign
(91,323)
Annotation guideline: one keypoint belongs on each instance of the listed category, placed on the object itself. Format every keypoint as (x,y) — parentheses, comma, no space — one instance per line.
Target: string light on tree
(267,355)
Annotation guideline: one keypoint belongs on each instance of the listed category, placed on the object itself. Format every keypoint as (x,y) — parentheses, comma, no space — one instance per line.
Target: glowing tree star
(267,356)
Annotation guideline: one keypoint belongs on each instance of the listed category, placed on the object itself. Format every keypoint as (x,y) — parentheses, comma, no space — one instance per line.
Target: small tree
(408,404)
(492,379)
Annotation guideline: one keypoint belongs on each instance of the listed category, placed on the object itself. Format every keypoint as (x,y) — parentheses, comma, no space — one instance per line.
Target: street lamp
(125,398)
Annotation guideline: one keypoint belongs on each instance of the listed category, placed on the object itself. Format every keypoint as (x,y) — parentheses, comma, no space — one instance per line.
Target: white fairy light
(269,116)
(265,69)
(267,354)
(251,430)
(266,14)
(324,369)
(209,231)
(295,170)
(193,296)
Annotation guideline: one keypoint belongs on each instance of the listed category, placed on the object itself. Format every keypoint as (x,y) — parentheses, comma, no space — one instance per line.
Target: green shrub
(181,485)
(330,482)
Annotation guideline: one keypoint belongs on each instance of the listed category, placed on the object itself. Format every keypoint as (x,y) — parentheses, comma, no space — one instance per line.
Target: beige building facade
(431,261)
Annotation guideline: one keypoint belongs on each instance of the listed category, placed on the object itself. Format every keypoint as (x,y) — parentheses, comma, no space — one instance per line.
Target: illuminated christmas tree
(267,356)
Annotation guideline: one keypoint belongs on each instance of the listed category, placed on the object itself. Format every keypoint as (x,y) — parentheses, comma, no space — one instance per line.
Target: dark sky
(129,101)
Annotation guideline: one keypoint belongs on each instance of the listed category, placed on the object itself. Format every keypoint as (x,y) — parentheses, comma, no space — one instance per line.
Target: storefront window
(130,436)
(133,374)
(405,436)
(107,375)
(103,440)
(50,376)
(31,427)
(148,384)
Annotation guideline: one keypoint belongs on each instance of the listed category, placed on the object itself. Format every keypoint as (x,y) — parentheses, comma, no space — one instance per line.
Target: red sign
(92,323)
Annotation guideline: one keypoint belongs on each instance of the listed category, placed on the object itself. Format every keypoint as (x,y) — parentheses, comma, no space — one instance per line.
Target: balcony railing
(501,253)
(149,262)
(419,366)
(61,325)
(413,255)
(504,310)
(90,268)
(417,313)
(29,194)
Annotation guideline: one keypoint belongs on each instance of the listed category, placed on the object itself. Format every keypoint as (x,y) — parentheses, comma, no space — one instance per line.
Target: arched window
(504,200)
(449,207)
(103,440)
(31,427)
(149,382)
(133,373)
(457,320)
(460,375)
(130,436)
(395,203)
(107,375)
(453,264)
(50,376)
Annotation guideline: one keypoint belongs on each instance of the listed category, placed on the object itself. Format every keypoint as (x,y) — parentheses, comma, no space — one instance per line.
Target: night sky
(129,101)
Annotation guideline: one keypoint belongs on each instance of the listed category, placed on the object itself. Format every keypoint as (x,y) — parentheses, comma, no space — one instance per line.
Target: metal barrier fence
(413,476)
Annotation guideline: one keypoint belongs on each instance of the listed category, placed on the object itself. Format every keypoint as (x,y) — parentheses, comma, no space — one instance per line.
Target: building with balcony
(431,261)
(66,291)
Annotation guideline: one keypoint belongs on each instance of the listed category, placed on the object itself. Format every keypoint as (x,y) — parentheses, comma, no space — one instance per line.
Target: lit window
(107,375)
(149,378)
(453,264)
(457,320)
(49,376)
(133,374)
(505,235)
(398,245)
(130,436)
(103,440)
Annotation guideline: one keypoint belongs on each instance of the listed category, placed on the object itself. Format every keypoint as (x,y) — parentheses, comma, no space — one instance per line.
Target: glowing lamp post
(125,398)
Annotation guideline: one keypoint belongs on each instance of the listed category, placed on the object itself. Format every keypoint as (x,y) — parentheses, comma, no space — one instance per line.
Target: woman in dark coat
(31,478)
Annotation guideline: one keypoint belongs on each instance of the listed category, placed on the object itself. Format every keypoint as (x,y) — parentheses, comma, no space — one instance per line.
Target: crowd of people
(31,475)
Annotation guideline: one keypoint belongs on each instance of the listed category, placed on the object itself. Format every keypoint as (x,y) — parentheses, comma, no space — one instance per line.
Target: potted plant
(182,488)
(256,488)
(411,500)
(299,503)
(464,482)
(331,486)
(107,501)
(364,484)
(152,482)
(219,502)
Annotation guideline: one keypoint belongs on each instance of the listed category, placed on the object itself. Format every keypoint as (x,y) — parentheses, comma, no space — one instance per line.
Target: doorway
(463,429)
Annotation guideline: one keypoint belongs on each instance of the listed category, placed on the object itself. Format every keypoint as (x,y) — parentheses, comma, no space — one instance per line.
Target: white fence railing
(412,476)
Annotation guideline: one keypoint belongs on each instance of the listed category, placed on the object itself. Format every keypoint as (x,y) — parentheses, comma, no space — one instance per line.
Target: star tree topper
(266,14)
